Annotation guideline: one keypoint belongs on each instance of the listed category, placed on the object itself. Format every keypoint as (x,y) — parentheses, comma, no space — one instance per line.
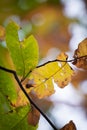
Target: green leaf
(11,117)
(24,53)
(23,125)
(7,81)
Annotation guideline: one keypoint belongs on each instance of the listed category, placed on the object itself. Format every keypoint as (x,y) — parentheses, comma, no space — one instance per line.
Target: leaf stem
(25,76)
(30,100)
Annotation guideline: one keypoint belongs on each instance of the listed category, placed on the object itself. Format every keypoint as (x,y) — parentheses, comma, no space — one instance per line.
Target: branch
(28,97)
(57,60)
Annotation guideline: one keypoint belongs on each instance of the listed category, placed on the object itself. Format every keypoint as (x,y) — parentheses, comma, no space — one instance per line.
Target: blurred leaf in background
(50,27)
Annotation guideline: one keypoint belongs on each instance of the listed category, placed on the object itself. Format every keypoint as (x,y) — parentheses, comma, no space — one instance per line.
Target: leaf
(13,104)
(64,75)
(24,125)
(69,126)
(43,77)
(8,85)
(79,77)
(2,33)
(81,51)
(7,82)
(13,118)
(33,116)
(14,107)
(24,53)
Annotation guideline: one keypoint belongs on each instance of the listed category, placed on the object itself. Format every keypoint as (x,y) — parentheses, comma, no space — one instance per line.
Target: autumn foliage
(37,80)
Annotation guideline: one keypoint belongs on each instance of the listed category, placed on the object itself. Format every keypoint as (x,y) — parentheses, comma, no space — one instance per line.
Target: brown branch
(57,60)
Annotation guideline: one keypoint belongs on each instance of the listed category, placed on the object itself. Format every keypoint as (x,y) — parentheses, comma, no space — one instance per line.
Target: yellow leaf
(43,77)
(21,100)
(81,52)
(63,77)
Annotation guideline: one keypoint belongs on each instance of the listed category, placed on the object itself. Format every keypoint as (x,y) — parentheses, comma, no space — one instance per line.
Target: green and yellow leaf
(14,107)
(7,81)
(24,53)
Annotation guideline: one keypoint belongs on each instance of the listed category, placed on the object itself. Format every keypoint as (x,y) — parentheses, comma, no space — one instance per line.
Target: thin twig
(57,60)
(19,83)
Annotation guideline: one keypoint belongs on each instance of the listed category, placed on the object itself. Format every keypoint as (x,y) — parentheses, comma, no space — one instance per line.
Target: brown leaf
(79,77)
(2,33)
(81,52)
(69,126)
(34,115)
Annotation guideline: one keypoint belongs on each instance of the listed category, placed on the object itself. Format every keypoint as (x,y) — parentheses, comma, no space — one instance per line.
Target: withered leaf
(79,77)
(34,114)
(69,126)
(81,52)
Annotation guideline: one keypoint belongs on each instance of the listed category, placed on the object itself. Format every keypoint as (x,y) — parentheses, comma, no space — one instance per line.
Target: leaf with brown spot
(81,52)
(43,77)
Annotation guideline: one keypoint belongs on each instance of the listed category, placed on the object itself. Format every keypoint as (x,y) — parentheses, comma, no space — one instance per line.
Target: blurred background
(58,25)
